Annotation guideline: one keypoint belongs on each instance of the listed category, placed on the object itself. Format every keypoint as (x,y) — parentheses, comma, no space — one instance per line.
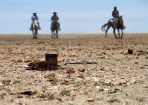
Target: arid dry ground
(118,78)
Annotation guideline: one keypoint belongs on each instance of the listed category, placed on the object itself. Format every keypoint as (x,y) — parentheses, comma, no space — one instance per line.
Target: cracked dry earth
(118,78)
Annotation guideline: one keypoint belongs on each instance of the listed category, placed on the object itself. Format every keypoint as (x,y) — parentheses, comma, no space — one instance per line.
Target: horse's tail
(103,27)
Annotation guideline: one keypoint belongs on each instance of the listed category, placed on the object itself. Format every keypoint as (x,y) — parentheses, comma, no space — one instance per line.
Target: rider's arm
(57,18)
(37,17)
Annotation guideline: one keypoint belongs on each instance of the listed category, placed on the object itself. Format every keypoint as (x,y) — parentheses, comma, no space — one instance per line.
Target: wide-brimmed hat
(54,12)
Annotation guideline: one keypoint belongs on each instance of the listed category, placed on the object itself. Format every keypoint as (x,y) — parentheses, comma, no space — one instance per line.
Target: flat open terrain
(118,78)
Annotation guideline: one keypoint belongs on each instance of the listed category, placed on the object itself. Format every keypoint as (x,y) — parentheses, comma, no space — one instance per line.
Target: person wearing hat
(115,14)
(33,18)
(54,19)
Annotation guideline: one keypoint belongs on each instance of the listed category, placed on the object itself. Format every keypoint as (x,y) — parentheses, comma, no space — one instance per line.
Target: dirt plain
(120,77)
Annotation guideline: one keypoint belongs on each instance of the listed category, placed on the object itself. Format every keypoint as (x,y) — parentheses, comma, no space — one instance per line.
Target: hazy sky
(76,16)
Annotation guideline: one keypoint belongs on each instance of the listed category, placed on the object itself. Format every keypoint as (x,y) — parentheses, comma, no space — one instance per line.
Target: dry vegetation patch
(93,70)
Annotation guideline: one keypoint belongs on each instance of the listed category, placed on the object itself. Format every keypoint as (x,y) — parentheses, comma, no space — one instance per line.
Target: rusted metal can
(52,58)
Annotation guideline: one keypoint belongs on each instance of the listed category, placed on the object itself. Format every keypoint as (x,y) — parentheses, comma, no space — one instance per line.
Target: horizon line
(83,33)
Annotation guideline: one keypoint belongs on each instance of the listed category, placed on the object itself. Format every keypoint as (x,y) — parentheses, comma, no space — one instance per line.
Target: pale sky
(76,16)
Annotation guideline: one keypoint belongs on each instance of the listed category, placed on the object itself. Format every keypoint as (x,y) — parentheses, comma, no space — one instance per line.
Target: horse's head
(35,23)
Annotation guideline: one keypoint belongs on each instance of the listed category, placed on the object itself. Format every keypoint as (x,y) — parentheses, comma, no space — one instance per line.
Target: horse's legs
(114,31)
(57,34)
(36,32)
(33,34)
(51,34)
(107,30)
(121,33)
(118,33)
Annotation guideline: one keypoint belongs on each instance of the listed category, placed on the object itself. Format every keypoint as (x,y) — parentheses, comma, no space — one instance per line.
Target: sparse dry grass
(118,78)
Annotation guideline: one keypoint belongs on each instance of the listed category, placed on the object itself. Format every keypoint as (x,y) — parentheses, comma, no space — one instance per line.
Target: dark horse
(117,25)
(55,27)
(34,29)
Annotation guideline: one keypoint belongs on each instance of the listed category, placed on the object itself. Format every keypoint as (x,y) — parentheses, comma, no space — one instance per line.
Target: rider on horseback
(34,18)
(55,19)
(115,14)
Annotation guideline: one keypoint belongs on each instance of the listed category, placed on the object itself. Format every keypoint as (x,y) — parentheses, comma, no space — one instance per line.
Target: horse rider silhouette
(115,14)
(33,18)
(55,19)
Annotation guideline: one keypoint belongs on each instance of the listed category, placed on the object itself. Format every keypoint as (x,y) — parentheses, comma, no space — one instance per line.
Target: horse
(117,24)
(55,27)
(35,28)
